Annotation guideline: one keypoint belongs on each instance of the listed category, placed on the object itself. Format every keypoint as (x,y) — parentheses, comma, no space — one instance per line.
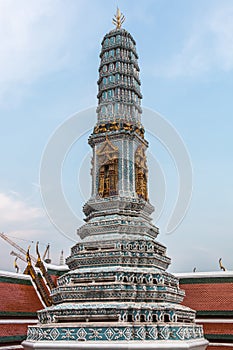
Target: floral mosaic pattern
(127,333)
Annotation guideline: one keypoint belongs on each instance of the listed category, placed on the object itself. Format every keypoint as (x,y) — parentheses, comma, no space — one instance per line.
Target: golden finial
(119,19)
(16,265)
(28,258)
(38,254)
(221,265)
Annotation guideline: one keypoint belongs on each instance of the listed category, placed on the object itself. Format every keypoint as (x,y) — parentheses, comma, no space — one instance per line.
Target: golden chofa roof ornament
(119,19)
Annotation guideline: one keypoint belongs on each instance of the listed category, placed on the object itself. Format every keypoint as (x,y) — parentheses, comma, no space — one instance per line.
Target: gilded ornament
(118,19)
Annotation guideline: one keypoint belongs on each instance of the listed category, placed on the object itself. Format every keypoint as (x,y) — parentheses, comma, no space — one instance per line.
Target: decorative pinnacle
(38,253)
(28,258)
(119,19)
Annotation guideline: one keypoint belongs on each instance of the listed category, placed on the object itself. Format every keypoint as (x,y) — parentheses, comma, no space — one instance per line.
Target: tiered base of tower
(117,296)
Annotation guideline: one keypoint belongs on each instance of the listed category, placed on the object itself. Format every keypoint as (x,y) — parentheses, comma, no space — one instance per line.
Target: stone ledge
(131,345)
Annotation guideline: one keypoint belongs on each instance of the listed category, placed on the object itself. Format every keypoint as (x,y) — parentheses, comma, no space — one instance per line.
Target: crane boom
(15,245)
(46,252)
(21,257)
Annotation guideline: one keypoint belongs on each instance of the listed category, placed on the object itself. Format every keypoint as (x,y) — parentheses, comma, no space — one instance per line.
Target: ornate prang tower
(117,294)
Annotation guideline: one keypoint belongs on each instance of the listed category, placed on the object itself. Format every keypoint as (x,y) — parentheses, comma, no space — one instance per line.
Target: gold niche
(108,156)
(141,173)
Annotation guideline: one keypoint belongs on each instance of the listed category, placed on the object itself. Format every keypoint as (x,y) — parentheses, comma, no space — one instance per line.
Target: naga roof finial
(221,265)
(16,265)
(28,258)
(38,253)
(119,19)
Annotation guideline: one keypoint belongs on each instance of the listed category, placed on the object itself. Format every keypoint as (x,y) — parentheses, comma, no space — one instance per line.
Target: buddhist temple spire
(117,294)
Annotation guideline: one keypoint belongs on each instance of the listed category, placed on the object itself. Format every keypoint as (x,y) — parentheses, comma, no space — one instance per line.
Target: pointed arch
(108,156)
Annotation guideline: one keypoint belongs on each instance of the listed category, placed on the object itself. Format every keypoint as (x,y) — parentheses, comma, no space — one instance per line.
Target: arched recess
(108,156)
(141,173)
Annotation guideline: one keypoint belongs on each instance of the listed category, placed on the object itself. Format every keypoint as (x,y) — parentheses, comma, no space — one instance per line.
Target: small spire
(119,19)
(62,258)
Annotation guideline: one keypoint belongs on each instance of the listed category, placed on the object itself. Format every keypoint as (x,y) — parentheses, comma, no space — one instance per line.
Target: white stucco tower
(117,294)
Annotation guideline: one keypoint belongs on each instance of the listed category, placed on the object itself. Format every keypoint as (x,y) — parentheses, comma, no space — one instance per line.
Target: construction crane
(47,260)
(15,245)
(21,257)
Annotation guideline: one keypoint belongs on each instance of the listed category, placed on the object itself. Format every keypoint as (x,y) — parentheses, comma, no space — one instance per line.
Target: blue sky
(49,59)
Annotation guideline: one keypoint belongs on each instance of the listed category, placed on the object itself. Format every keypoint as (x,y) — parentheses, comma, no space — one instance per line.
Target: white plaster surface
(207,274)
(136,345)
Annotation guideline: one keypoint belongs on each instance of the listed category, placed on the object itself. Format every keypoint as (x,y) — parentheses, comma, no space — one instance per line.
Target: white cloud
(221,26)
(33,37)
(25,224)
(209,46)
(15,211)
